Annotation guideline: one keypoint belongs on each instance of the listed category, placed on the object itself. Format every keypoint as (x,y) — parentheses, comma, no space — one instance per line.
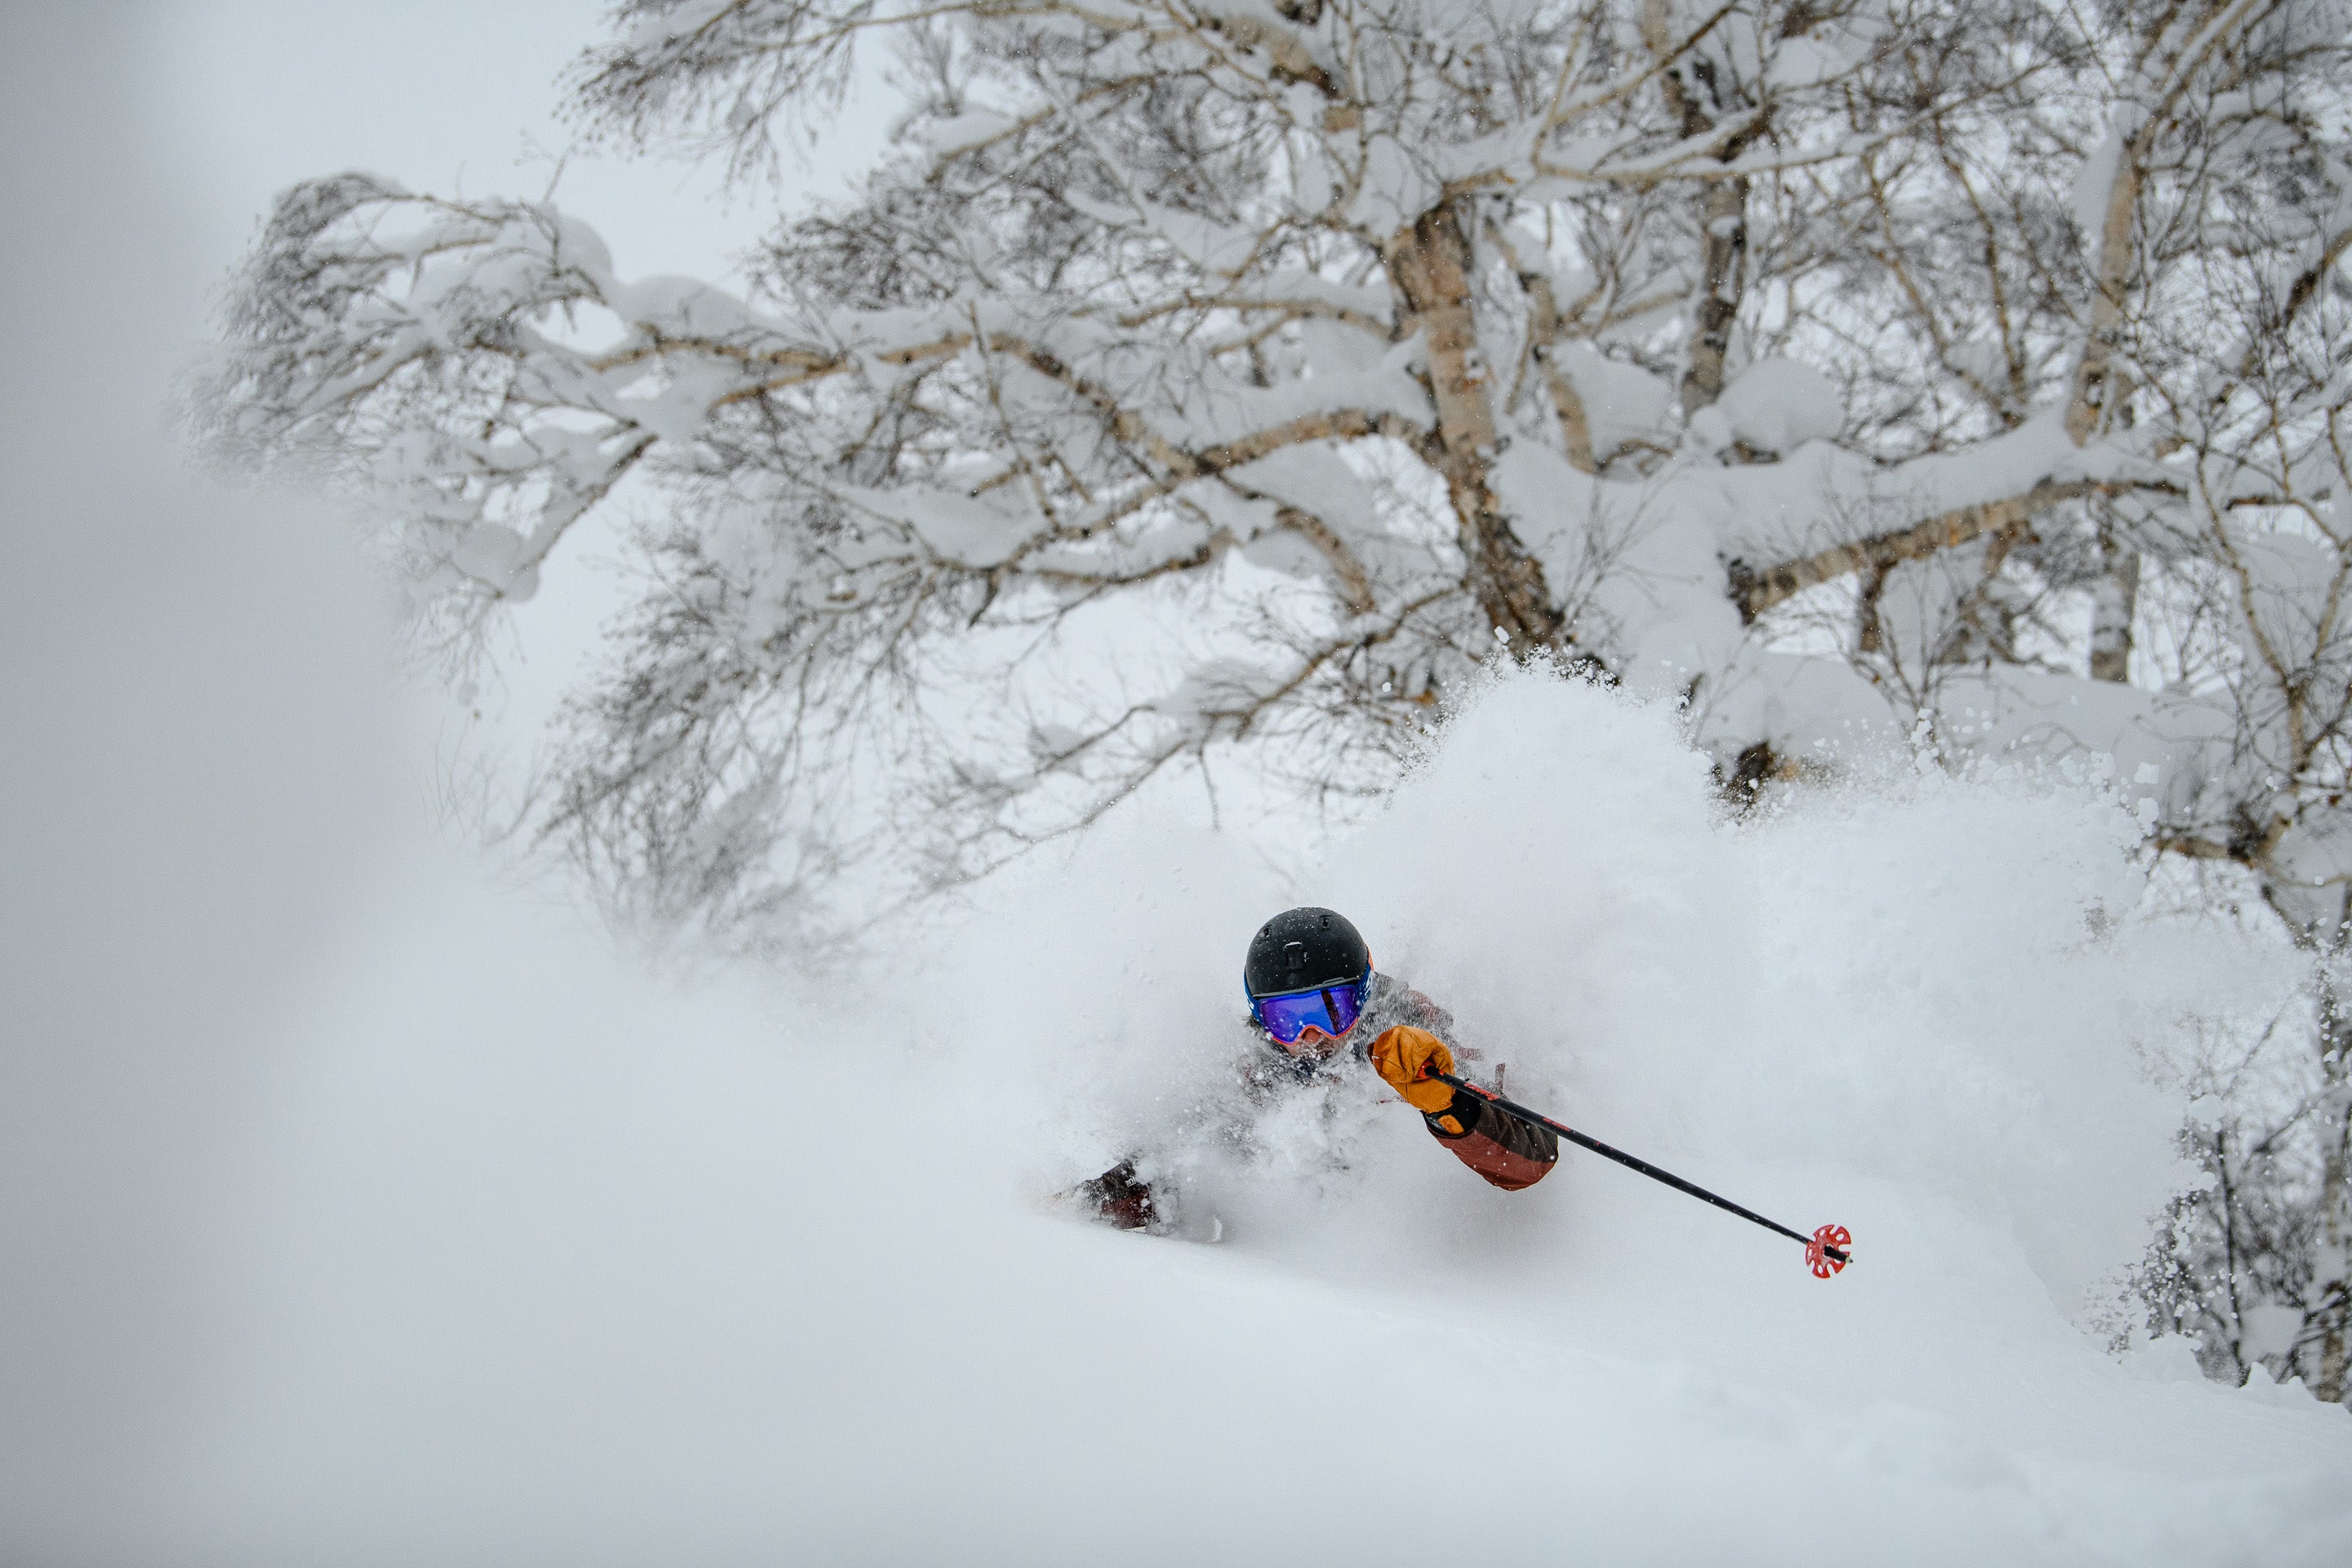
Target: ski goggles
(1333,1009)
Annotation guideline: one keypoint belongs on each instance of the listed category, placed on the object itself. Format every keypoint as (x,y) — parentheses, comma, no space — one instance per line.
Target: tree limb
(1756,591)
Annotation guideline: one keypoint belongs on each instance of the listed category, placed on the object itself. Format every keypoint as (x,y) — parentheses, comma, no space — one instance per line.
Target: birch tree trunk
(2113,603)
(1723,214)
(1431,265)
(2332,1290)
(2096,391)
(1723,220)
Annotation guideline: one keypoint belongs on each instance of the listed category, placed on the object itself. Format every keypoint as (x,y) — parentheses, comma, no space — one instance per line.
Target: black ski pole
(1828,1250)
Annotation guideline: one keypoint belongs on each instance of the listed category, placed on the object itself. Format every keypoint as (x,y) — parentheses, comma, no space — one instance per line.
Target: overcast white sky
(455,96)
(450,95)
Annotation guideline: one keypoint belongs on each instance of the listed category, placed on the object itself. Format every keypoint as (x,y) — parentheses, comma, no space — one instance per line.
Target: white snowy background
(357,1207)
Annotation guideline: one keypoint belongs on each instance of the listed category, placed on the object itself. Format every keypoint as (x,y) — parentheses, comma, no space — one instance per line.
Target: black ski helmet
(1304,948)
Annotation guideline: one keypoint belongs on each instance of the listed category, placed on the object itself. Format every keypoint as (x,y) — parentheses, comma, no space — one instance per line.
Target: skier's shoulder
(1394,1001)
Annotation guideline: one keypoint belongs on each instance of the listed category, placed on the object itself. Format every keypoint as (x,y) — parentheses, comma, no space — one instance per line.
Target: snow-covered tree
(2219,349)
(1317,352)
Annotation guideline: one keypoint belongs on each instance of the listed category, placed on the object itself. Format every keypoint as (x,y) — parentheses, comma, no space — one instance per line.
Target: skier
(1312,989)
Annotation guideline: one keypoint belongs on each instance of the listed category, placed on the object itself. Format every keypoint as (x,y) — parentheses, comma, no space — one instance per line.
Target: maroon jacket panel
(1507,1152)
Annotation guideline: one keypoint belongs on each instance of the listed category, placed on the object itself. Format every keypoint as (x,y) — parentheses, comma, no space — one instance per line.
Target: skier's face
(1312,1022)
(1313,1045)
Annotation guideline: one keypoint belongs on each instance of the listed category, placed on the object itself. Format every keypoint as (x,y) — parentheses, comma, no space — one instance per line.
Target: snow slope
(529,1258)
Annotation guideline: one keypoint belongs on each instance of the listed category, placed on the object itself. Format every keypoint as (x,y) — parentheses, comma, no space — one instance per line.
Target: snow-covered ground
(490,1247)
(545,1261)
(358,1208)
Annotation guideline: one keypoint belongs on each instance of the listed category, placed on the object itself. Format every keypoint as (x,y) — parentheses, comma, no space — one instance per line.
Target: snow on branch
(1179,348)
(1757,591)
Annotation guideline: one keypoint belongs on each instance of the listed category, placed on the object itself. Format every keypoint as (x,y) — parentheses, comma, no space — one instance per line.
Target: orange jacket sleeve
(1507,1152)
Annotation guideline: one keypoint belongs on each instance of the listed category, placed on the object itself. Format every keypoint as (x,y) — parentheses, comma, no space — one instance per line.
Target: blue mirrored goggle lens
(1333,1009)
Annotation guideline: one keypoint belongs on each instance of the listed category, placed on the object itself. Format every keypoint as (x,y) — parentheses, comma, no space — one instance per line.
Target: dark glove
(1118,1199)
